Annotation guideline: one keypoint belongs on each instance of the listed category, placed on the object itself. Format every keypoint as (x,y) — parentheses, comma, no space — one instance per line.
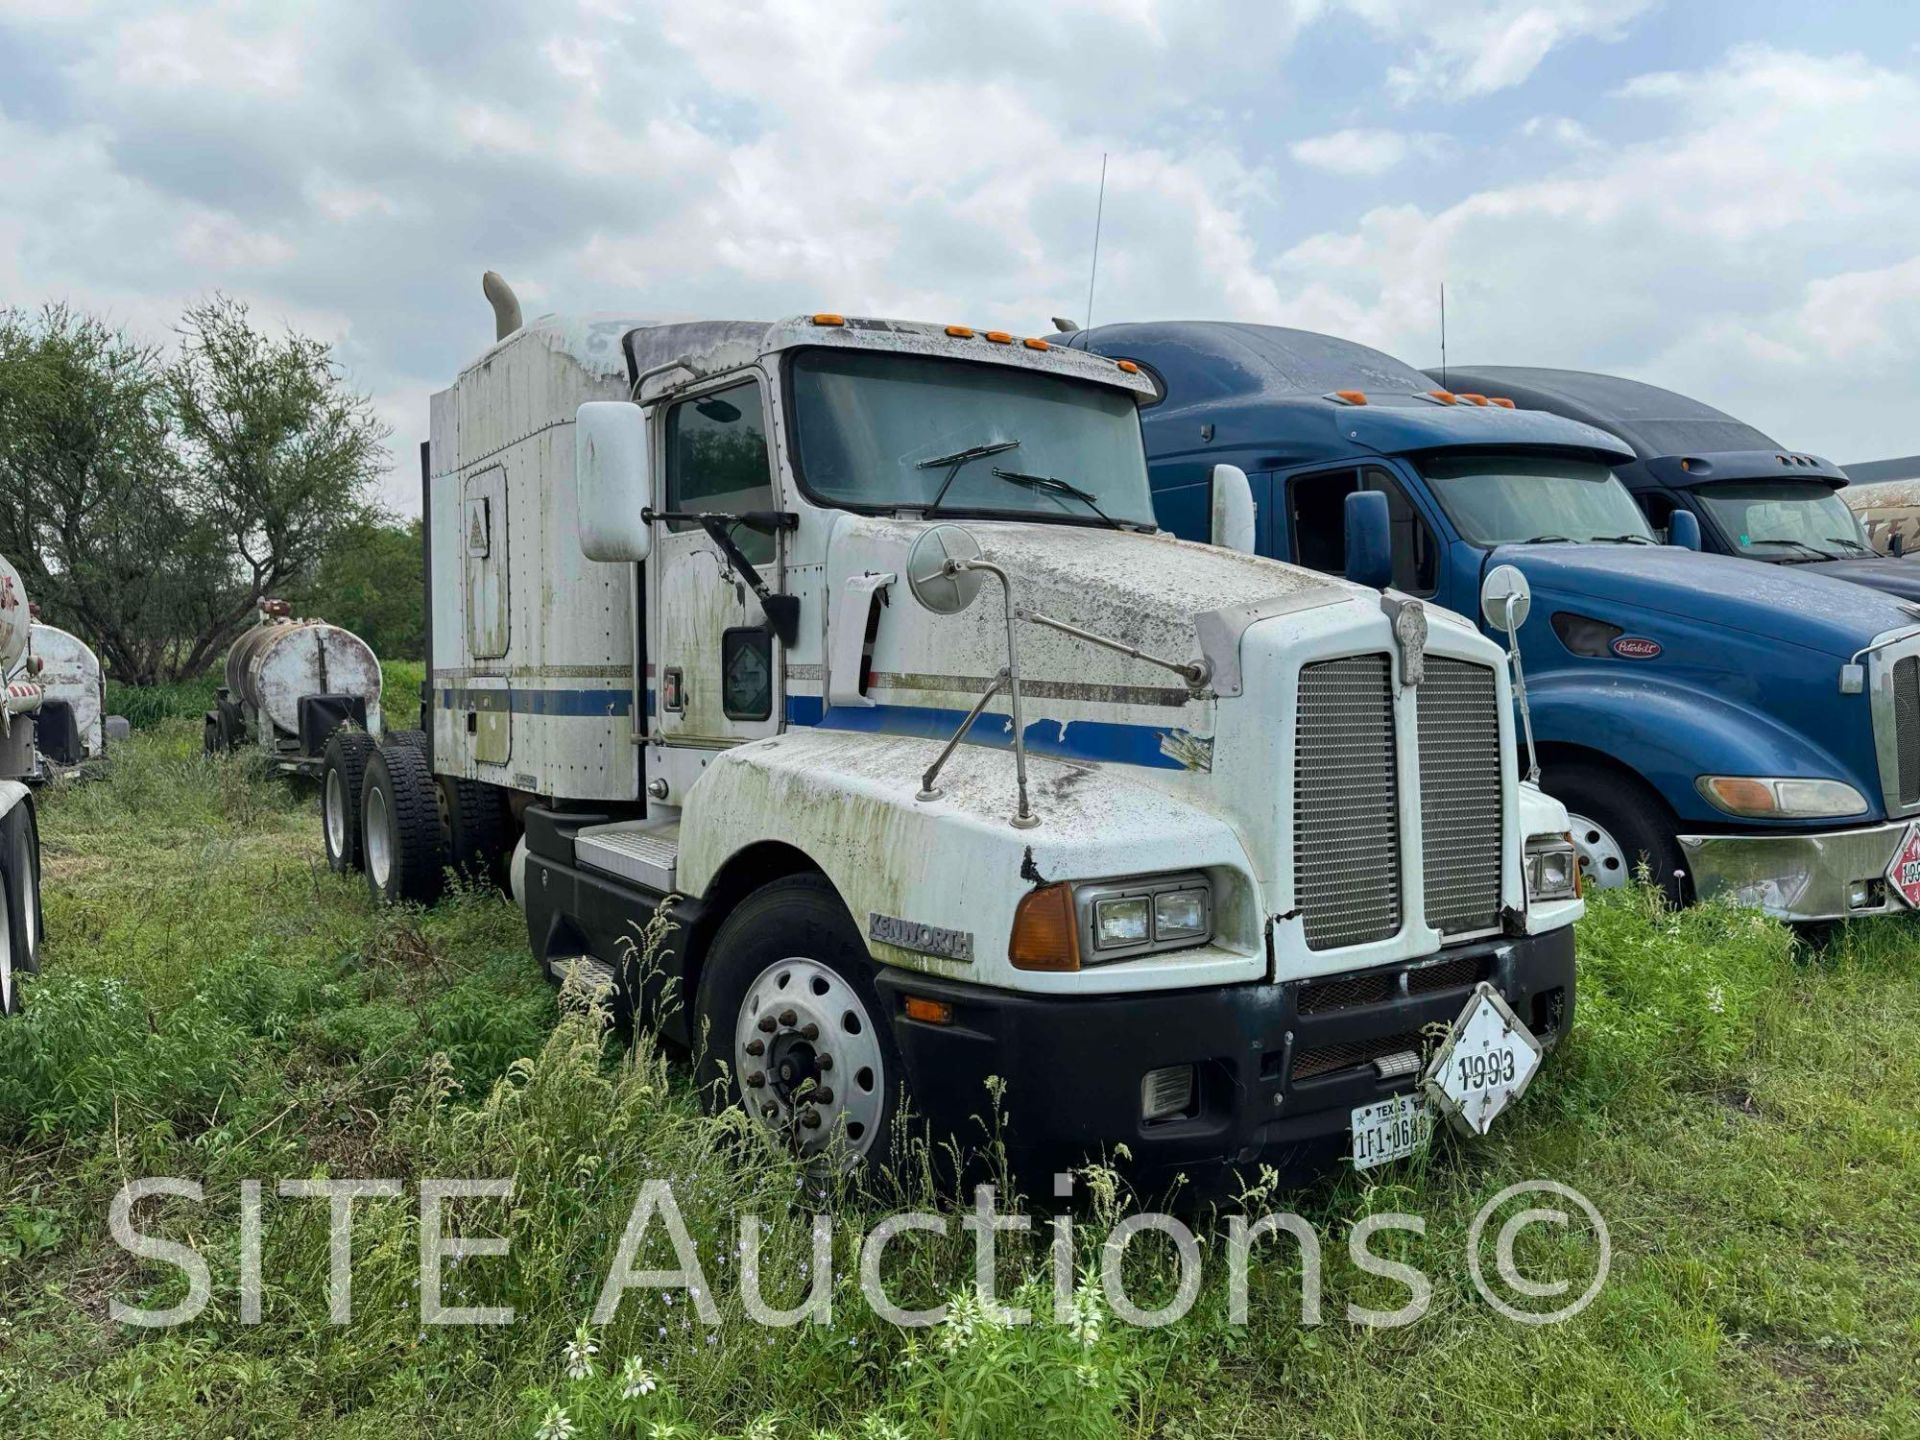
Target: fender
(846,801)
(1670,734)
(12,792)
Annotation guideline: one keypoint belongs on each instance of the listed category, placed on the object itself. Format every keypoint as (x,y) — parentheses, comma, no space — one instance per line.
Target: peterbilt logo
(1635,647)
(926,939)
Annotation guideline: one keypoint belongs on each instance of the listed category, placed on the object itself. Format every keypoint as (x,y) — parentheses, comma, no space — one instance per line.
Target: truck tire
(1618,824)
(416,738)
(479,829)
(20,924)
(789,973)
(400,828)
(343,774)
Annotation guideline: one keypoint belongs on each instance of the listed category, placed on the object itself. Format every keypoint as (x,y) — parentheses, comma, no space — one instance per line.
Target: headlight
(1785,799)
(1553,868)
(1123,918)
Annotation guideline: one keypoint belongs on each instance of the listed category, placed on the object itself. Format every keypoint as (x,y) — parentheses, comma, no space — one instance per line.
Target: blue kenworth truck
(1739,729)
(1750,495)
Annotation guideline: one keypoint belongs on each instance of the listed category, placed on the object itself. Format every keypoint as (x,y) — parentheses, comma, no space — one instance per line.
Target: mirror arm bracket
(1196,673)
(928,791)
(1520,691)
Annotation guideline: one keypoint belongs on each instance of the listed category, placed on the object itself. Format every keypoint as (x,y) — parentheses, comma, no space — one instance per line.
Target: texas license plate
(1387,1130)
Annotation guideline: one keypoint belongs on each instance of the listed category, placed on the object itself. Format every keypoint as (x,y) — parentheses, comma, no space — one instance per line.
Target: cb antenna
(1443,337)
(1099,213)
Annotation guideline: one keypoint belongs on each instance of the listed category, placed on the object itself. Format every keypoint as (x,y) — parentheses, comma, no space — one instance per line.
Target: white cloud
(1465,50)
(1365,152)
(1709,259)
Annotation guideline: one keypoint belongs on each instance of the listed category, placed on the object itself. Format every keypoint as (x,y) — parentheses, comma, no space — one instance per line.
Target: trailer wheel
(479,829)
(416,738)
(400,828)
(20,924)
(343,774)
(788,1022)
(1617,825)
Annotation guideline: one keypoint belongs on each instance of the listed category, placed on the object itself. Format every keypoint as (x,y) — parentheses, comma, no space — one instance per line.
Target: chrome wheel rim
(808,1060)
(336,803)
(30,908)
(379,849)
(1603,863)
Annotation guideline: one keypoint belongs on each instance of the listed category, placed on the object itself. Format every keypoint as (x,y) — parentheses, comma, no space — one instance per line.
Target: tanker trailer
(70,728)
(20,697)
(290,683)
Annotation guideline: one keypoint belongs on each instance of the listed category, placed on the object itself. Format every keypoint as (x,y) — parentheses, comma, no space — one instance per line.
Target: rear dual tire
(21,929)
(343,775)
(401,846)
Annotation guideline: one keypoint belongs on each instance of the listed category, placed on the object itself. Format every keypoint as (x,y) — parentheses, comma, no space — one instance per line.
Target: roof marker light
(1503,402)
(1445,397)
(1033,344)
(960,332)
(1352,397)
(1128,366)
(999,337)
(824,318)
(1473,399)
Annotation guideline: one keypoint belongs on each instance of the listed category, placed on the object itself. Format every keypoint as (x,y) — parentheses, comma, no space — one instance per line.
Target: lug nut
(756,1047)
(756,1079)
(823,1063)
(810,1120)
(767,1024)
(810,1031)
(822,1096)
(769,1110)
(787,1017)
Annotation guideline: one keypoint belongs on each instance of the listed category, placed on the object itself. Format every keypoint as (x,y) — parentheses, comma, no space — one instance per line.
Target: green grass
(148,706)
(217,1006)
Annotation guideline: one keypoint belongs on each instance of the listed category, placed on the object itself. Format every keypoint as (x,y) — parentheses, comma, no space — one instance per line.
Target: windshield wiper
(958,462)
(1547,540)
(1814,552)
(1054,483)
(1850,542)
(1622,540)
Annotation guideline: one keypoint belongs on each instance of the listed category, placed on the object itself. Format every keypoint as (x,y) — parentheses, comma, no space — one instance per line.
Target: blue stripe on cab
(1091,740)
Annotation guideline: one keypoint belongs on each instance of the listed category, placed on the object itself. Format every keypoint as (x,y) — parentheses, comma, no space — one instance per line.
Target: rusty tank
(282,659)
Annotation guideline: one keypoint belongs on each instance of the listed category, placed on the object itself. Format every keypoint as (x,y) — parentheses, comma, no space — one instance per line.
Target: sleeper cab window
(717,460)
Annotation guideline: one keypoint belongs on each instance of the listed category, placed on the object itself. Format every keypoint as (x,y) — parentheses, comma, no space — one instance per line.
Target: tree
(152,503)
(370,581)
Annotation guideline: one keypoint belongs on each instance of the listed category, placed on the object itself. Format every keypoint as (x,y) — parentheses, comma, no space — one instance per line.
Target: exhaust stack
(506,306)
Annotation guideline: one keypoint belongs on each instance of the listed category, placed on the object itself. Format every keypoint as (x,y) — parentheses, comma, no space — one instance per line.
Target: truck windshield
(893,432)
(1496,498)
(1785,519)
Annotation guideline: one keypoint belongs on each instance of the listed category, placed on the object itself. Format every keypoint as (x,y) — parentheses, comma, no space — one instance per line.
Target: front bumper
(1281,1067)
(1799,877)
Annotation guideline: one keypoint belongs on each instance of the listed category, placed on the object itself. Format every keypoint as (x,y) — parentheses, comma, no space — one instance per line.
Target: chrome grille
(1906,726)
(1346,831)
(1460,795)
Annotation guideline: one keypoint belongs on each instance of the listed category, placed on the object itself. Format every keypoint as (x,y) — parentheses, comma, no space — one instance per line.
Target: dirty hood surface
(1894,577)
(1142,589)
(1780,602)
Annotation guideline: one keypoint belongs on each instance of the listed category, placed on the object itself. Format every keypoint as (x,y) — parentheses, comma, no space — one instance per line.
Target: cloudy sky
(1722,196)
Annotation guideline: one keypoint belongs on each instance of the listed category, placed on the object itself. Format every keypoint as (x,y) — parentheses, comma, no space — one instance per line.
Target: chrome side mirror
(938,569)
(1505,598)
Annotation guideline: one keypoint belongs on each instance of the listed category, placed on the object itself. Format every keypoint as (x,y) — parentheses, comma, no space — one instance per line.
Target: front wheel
(789,1024)
(1618,824)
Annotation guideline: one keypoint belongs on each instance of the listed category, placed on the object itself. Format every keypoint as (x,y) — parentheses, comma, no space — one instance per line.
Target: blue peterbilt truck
(1751,496)
(1738,729)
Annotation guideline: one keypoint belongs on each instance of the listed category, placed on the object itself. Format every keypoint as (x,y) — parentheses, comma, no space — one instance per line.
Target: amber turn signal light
(826,319)
(928,1012)
(1046,933)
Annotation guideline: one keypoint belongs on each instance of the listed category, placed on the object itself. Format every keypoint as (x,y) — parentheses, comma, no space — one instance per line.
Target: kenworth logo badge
(1635,647)
(927,939)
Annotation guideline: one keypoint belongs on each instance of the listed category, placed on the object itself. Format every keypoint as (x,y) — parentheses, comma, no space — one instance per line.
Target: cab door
(716,672)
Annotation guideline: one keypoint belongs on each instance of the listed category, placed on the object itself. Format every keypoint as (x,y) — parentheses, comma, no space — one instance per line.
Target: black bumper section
(1280,1067)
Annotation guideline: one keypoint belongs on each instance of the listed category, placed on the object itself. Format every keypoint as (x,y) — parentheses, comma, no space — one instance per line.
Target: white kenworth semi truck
(851,644)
